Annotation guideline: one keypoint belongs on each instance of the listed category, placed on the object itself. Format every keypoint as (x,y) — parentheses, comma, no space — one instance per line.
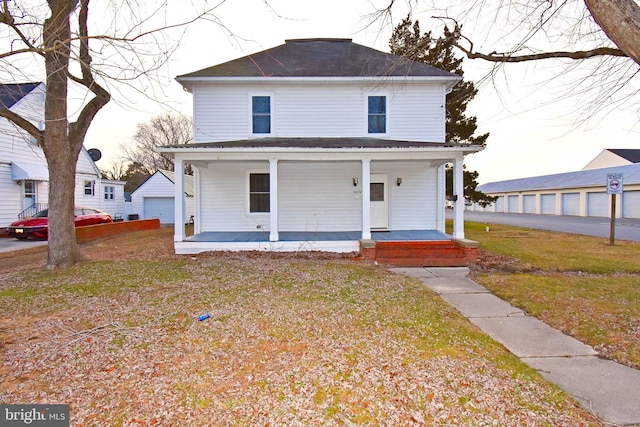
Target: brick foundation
(453,253)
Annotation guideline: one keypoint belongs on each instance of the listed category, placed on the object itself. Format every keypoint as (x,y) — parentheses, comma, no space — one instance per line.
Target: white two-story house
(318,144)
(24,175)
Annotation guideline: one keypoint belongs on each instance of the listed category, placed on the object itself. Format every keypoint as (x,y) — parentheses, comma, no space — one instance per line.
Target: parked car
(36,226)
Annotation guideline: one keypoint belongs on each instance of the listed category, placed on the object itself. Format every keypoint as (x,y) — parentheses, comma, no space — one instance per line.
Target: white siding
(16,145)
(316,196)
(415,111)
(319,197)
(223,188)
(413,204)
(10,196)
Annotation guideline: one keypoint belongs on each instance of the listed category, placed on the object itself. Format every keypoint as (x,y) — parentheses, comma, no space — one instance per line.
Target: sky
(529,136)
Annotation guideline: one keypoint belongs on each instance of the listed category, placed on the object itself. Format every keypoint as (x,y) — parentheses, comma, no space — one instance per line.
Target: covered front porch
(332,195)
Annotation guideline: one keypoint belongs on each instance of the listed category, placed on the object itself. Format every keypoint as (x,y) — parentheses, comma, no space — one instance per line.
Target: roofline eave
(188,82)
(328,154)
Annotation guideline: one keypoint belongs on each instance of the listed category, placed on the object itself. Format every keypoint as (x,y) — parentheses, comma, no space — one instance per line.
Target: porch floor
(321,236)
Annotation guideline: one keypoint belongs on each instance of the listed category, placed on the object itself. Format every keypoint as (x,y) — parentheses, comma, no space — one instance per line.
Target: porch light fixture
(398,181)
(355,182)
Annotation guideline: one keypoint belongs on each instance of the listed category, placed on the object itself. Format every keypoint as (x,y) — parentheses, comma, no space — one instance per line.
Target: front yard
(292,340)
(578,284)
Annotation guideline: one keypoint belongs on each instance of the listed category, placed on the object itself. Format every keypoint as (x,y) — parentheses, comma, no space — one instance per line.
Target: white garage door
(570,203)
(513,204)
(548,204)
(500,204)
(598,204)
(529,203)
(631,204)
(160,207)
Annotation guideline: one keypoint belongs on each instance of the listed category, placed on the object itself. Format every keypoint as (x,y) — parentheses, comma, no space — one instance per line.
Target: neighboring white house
(317,144)
(155,197)
(24,175)
(580,193)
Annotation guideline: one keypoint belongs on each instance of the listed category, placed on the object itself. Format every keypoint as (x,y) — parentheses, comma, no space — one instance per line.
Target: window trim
(386,113)
(248,190)
(109,192)
(271,113)
(89,183)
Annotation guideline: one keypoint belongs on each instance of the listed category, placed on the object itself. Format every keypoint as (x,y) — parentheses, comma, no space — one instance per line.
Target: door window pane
(376,192)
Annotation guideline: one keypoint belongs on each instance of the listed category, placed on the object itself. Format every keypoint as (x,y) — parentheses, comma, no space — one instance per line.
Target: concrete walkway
(609,390)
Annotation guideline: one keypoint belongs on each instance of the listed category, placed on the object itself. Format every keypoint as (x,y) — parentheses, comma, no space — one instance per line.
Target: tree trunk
(61,156)
(620,20)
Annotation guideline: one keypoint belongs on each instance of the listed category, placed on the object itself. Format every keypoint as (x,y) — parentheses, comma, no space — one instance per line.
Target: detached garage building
(154,198)
(581,193)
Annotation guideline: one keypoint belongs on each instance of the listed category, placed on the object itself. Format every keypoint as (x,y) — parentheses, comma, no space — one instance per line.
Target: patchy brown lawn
(295,339)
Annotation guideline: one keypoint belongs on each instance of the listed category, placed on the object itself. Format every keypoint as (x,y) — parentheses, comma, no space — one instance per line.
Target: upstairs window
(88,188)
(261,114)
(259,192)
(377,114)
(109,192)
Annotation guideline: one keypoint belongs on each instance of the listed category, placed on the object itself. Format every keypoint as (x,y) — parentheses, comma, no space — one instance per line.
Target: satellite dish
(95,154)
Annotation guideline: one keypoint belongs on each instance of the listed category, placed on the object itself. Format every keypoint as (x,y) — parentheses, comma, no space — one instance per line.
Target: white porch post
(273,200)
(458,206)
(178,168)
(366,198)
(197,210)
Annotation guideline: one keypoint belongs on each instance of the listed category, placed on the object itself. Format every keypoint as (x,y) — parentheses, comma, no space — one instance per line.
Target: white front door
(379,199)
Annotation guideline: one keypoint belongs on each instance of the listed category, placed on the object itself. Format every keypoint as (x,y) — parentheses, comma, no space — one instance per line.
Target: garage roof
(586,178)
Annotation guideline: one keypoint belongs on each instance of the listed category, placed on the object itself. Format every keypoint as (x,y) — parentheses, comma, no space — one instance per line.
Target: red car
(36,226)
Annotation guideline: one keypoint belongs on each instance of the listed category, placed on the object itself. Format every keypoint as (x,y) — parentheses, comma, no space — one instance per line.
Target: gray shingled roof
(320,58)
(627,153)
(586,178)
(316,142)
(14,92)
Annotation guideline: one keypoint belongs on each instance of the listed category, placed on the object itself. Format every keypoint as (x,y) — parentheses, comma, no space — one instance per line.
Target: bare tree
(56,36)
(597,41)
(116,173)
(165,129)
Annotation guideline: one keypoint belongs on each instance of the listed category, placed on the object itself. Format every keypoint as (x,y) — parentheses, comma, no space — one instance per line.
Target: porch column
(273,200)
(178,169)
(366,198)
(458,206)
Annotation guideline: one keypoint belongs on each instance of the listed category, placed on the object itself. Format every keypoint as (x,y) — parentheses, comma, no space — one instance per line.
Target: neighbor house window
(377,114)
(261,114)
(88,188)
(259,200)
(109,192)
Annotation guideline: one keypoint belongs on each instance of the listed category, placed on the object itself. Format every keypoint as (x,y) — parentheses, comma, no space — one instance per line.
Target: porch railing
(32,210)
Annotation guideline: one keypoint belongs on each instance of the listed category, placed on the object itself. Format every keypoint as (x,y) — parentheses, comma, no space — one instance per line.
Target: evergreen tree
(408,42)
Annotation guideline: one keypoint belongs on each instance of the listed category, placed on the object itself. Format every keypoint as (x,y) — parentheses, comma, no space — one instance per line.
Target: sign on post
(614,186)
(614,183)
